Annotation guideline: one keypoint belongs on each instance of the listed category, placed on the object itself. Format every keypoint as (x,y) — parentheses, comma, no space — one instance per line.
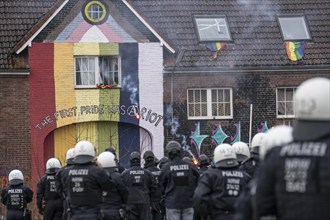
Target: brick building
(200,72)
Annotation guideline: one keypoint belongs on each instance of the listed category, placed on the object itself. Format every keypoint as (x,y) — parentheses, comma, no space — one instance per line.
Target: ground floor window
(284,102)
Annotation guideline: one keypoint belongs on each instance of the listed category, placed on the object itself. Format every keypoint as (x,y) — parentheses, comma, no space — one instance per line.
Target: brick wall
(15,147)
(257,88)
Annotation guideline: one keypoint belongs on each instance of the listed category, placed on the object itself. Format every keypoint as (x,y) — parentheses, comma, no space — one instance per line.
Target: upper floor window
(294,27)
(210,103)
(95,12)
(93,71)
(284,102)
(212,28)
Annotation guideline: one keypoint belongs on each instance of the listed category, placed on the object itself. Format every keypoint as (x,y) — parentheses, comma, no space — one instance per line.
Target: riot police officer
(251,165)
(113,151)
(204,163)
(85,183)
(59,177)
(164,160)
(179,180)
(16,197)
(49,201)
(242,151)
(150,164)
(246,208)
(141,189)
(219,188)
(294,180)
(114,200)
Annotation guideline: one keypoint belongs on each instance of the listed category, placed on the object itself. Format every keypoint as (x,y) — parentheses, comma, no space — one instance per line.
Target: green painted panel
(109,99)
(107,49)
(107,135)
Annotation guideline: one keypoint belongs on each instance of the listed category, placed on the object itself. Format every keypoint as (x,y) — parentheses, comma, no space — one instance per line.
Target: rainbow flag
(295,50)
(215,48)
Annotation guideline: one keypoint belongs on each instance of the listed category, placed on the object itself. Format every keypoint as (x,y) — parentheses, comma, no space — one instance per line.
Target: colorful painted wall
(129,117)
(62,115)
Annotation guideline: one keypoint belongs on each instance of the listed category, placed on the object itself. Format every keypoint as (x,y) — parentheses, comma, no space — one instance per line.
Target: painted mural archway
(124,137)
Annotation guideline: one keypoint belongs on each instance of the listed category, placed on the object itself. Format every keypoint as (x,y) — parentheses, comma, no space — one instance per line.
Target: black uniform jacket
(85,184)
(218,190)
(294,181)
(179,180)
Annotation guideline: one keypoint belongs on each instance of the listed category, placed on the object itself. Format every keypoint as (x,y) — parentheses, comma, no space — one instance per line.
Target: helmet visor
(15,182)
(81,159)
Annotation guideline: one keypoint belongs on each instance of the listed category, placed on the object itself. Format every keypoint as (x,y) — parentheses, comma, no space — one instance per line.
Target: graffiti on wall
(142,113)
(263,127)
(218,136)
(197,138)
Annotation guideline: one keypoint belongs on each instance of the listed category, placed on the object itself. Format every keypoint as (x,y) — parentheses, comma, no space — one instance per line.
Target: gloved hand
(155,206)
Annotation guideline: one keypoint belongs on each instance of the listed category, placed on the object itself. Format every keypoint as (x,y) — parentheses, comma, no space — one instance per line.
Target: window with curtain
(284,102)
(210,103)
(93,71)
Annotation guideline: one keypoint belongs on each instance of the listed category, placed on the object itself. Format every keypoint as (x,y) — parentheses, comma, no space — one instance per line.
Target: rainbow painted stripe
(295,50)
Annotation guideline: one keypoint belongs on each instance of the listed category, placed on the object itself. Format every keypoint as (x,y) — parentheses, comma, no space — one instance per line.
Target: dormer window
(294,27)
(212,28)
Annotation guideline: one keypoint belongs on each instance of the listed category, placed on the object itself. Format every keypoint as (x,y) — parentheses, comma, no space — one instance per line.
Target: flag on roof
(215,48)
(295,50)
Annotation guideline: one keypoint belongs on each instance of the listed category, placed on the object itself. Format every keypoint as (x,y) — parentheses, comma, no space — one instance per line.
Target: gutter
(14,73)
(169,70)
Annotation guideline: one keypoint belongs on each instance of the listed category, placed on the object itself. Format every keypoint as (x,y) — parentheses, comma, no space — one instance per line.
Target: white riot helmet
(70,156)
(225,156)
(84,152)
(107,159)
(15,177)
(53,165)
(275,137)
(257,142)
(312,109)
(242,151)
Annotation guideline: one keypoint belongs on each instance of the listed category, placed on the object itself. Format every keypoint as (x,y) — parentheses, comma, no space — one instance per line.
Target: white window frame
(209,104)
(97,71)
(215,19)
(285,101)
(304,23)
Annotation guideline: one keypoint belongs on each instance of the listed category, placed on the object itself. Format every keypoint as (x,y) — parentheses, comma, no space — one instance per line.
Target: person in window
(16,197)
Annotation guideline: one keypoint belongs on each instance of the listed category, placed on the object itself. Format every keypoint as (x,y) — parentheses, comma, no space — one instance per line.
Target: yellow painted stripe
(64,139)
(64,83)
(87,102)
(86,49)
